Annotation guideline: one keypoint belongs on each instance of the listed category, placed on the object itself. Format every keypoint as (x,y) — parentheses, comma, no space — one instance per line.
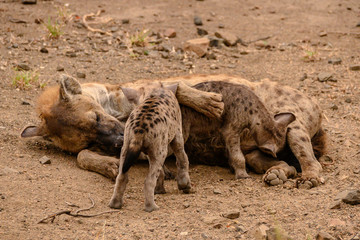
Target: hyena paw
(151,207)
(160,189)
(115,203)
(240,174)
(184,184)
(274,176)
(307,181)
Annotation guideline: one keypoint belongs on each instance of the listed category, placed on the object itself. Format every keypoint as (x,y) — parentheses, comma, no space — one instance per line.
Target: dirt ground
(301,36)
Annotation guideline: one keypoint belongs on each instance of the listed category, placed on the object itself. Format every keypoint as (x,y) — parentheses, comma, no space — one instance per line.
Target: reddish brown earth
(29,191)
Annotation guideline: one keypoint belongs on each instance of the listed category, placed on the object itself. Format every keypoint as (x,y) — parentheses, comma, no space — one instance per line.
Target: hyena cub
(242,110)
(153,126)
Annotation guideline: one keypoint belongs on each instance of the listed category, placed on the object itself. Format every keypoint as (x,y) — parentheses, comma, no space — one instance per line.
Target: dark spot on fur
(250,112)
(144,125)
(296,127)
(250,104)
(245,109)
(151,125)
(303,139)
(145,107)
(148,118)
(141,131)
(278,91)
(162,95)
(151,110)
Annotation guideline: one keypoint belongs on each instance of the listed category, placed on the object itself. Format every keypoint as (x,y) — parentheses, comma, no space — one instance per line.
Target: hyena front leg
(236,157)
(156,162)
(120,184)
(300,144)
(105,165)
(182,163)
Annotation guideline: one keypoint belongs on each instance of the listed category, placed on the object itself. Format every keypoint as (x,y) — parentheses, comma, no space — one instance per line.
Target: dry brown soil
(30,191)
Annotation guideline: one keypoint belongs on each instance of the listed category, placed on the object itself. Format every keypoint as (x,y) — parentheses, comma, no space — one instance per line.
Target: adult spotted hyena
(303,135)
(153,127)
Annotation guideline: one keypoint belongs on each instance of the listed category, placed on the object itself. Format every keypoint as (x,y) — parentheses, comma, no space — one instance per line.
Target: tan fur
(276,99)
(152,126)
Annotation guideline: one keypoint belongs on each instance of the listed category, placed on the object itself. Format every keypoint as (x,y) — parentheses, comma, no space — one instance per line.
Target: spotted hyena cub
(242,110)
(153,126)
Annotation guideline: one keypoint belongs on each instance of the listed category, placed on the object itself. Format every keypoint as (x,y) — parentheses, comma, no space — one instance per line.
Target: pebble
(198,46)
(60,68)
(334,222)
(45,160)
(216,191)
(325,76)
(210,56)
(201,32)
(70,54)
(352,197)
(80,75)
(335,61)
(198,21)
(170,33)
(44,50)
(125,21)
(336,205)
(260,233)
(186,205)
(215,42)
(23,66)
(204,236)
(324,236)
(233,214)
(221,26)
(229,38)
(24,102)
(348,100)
(303,77)
(358,24)
(355,67)
(322,34)
(334,107)
(184,233)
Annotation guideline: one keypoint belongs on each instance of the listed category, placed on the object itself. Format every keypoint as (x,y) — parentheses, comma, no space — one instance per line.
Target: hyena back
(153,126)
(242,110)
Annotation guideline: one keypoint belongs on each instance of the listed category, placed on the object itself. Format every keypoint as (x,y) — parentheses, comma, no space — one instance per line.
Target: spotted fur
(152,126)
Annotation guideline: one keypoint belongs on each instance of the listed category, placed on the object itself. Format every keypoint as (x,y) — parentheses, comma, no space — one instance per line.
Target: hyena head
(74,121)
(138,96)
(270,134)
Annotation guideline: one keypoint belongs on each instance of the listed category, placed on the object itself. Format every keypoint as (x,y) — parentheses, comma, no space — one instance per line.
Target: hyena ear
(284,119)
(31,131)
(173,87)
(69,87)
(131,94)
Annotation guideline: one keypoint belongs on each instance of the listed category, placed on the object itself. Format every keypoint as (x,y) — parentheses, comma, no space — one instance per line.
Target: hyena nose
(119,141)
(269,149)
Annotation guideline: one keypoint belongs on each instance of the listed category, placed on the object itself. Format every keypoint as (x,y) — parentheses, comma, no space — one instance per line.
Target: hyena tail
(132,155)
(318,142)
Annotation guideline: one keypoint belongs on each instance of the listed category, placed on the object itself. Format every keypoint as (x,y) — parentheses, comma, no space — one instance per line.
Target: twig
(94,29)
(76,213)
(258,39)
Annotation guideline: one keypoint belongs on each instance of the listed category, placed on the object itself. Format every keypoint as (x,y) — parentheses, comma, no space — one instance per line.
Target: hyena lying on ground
(74,121)
(152,126)
(242,110)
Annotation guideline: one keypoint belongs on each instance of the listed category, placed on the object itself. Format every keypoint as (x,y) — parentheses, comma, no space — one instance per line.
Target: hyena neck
(109,98)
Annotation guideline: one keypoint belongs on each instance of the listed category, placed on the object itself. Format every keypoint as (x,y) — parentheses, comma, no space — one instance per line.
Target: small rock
(198,46)
(324,236)
(114,29)
(334,107)
(336,205)
(28,1)
(325,76)
(60,68)
(322,34)
(213,67)
(204,236)
(38,20)
(164,55)
(23,66)
(348,100)
(125,21)
(80,75)
(358,25)
(260,233)
(210,56)
(44,50)
(71,54)
(201,32)
(355,67)
(170,33)
(352,197)
(335,61)
(184,233)
(221,26)
(215,42)
(198,21)
(303,77)
(229,38)
(24,102)
(276,234)
(216,191)
(45,160)
(334,222)
(217,226)
(356,170)
(15,45)
(231,214)
(186,205)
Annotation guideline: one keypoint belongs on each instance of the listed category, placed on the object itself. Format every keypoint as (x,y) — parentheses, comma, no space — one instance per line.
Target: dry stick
(94,29)
(77,213)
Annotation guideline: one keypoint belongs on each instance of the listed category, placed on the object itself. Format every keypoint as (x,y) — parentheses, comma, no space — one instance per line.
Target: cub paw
(151,207)
(274,177)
